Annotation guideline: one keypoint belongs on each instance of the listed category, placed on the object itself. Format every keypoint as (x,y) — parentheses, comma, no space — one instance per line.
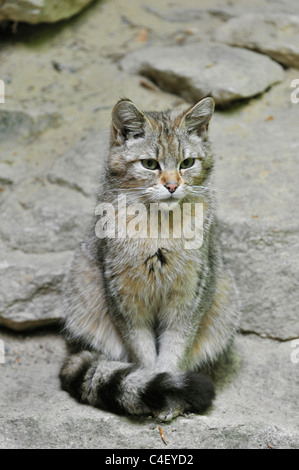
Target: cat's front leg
(193,390)
(136,329)
(178,329)
(173,346)
(142,347)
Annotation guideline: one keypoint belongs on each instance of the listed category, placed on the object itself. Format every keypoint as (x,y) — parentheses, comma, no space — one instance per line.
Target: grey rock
(7,176)
(256,151)
(194,70)
(41,222)
(31,288)
(80,168)
(39,218)
(187,15)
(41,11)
(11,175)
(254,408)
(276,35)
(20,123)
(51,213)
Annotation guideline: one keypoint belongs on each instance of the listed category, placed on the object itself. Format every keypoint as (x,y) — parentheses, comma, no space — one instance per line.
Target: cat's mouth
(159,194)
(162,194)
(171,198)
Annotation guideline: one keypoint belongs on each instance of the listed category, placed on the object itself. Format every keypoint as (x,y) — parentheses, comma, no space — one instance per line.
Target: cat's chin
(167,197)
(170,200)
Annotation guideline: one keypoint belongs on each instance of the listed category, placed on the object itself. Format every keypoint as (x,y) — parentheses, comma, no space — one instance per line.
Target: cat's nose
(171,186)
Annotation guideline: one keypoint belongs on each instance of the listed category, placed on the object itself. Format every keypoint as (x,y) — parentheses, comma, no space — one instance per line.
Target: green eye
(150,164)
(187,163)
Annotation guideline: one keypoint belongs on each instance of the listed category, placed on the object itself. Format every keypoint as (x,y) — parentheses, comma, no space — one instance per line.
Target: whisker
(126,189)
(210,189)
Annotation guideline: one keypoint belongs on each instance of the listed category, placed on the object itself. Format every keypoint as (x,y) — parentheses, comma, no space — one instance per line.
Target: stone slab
(40,11)
(194,70)
(276,35)
(256,150)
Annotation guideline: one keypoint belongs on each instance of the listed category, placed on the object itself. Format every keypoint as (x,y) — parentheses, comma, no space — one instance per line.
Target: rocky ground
(61,81)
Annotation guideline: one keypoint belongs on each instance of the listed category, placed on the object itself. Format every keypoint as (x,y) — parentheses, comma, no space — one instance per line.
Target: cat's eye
(187,163)
(150,164)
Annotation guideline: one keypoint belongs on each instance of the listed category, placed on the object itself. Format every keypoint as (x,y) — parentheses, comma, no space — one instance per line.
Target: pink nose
(171,186)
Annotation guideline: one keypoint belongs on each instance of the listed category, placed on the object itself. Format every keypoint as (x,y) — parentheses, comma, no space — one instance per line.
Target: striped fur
(144,315)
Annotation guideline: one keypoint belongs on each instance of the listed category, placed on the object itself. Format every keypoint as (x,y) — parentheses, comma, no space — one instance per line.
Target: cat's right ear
(127,121)
(197,118)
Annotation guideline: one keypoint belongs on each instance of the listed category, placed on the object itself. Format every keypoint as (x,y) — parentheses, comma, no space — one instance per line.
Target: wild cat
(144,315)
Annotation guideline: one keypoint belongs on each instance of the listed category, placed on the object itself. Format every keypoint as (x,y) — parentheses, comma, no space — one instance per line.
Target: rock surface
(256,405)
(255,148)
(31,288)
(61,82)
(20,123)
(40,11)
(276,35)
(192,11)
(229,72)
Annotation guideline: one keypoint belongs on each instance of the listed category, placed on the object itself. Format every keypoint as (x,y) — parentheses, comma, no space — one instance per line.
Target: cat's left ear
(127,121)
(196,120)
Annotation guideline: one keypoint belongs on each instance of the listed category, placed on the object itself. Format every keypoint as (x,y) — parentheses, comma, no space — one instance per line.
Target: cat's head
(160,156)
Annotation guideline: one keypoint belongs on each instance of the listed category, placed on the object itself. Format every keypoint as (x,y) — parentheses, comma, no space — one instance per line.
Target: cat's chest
(152,271)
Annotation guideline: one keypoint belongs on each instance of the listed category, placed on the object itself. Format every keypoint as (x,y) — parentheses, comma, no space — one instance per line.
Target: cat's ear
(196,119)
(127,121)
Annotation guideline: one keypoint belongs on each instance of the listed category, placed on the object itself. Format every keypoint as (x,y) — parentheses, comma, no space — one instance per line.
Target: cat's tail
(126,389)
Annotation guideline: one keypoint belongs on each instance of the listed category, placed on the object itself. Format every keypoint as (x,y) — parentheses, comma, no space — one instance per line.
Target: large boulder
(31,288)
(21,123)
(257,167)
(40,11)
(276,35)
(41,222)
(192,71)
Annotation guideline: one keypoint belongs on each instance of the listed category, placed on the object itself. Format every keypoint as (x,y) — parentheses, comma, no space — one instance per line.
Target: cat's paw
(170,413)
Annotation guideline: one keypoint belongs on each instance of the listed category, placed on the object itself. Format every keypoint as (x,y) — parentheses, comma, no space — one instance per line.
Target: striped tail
(124,388)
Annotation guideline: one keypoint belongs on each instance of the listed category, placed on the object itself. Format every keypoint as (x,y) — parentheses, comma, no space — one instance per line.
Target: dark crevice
(267,336)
